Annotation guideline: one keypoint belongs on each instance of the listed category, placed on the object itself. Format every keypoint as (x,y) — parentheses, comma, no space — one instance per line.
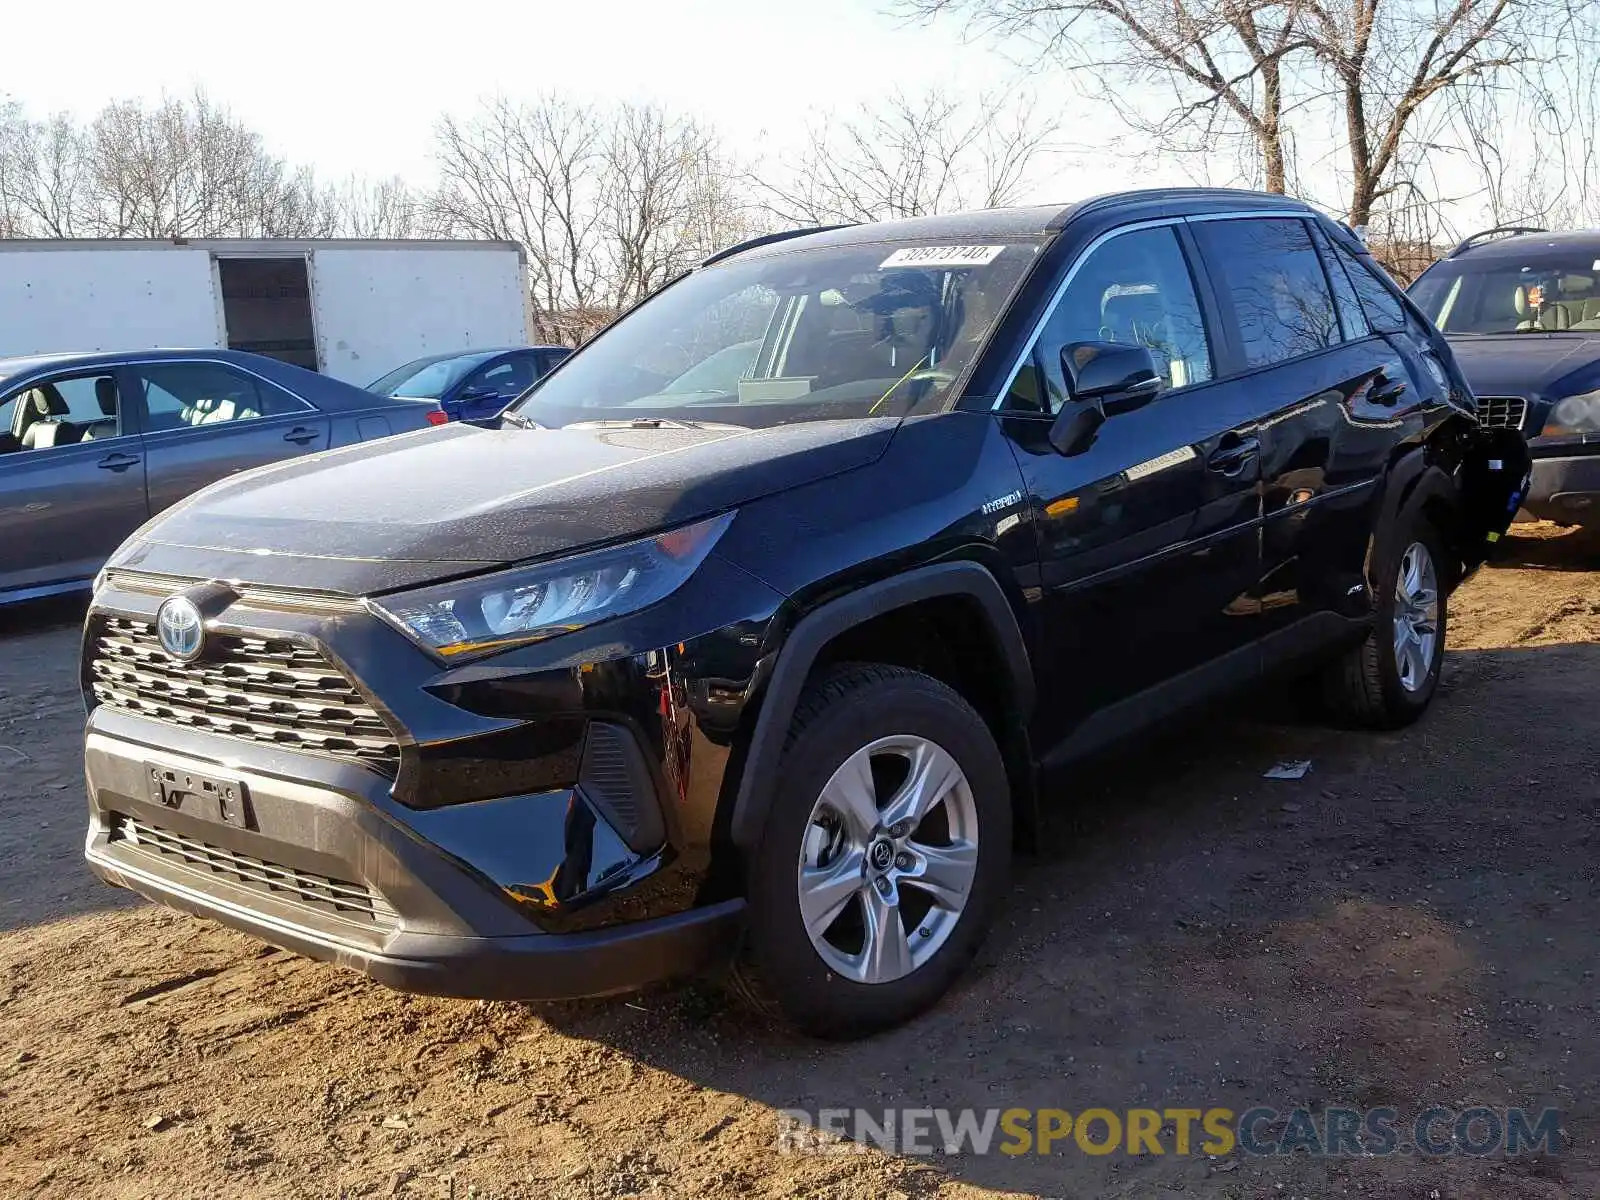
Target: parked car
(1521,308)
(91,445)
(474,386)
(768,668)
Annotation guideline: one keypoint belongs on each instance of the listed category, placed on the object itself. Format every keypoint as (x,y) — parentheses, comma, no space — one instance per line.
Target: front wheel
(884,854)
(1388,680)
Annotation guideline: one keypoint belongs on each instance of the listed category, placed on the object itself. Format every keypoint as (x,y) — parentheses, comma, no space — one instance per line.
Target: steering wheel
(930,375)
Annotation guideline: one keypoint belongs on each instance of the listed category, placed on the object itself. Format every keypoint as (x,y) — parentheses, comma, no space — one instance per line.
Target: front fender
(816,629)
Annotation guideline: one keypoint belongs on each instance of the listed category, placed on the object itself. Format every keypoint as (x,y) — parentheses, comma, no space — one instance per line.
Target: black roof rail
(767,239)
(1497,231)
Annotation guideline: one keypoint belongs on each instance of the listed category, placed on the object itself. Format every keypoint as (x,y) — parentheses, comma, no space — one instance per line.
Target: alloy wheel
(888,859)
(1416,617)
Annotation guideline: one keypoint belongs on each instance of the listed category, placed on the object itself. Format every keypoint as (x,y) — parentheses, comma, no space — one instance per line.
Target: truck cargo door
(266,308)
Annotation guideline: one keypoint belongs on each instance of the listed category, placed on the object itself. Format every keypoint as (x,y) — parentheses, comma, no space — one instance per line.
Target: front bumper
(1566,489)
(317,867)
(536,825)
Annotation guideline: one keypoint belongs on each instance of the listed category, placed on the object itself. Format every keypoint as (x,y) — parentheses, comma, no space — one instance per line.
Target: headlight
(1574,416)
(529,604)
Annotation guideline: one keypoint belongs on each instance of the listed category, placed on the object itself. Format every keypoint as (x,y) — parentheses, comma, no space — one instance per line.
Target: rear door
(65,506)
(1330,395)
(1147,539)
(204,420)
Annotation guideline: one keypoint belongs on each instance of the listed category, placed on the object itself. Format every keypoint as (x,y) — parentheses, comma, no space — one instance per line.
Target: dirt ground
(1413,922)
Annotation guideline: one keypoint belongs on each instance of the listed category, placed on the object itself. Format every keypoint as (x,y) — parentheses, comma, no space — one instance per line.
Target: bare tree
(1262,70)
(530,173)
(45,187)
(910,156)
(384,208)
(609,203)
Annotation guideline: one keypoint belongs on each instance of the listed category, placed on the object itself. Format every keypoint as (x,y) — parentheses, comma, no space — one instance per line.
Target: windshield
(807,335)
(1544,292)
(428,378)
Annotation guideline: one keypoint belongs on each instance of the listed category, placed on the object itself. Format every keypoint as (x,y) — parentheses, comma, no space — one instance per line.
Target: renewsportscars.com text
(1260,1131)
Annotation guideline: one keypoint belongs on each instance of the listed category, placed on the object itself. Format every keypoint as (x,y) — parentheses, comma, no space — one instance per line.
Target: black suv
(1521,308)
(751,628)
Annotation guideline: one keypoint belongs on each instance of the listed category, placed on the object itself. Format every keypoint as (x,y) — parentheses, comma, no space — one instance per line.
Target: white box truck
(352,309)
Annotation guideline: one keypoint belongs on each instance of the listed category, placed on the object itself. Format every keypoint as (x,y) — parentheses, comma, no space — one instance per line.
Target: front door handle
(1233,458)
(301,435)
(118,461)
(1384,391)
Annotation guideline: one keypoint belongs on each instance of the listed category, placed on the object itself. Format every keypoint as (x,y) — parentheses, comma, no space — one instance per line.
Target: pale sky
(354,86)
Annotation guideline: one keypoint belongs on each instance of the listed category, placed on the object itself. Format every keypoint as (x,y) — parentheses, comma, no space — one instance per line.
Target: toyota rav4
(749,632)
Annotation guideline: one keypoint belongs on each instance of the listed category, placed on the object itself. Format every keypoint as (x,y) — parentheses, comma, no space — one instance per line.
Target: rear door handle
(1384,391)
(1232,459)
(302,435)
(118,461)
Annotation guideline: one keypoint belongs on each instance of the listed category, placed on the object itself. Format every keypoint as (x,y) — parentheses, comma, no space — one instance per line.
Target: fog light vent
(616,780)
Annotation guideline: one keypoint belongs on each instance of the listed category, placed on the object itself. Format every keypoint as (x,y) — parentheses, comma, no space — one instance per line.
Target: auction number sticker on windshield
(942,256)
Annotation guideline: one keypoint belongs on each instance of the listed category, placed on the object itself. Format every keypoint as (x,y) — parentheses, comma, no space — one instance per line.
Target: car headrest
(1134,308)
(1520,300)
(105,393)
(47,402)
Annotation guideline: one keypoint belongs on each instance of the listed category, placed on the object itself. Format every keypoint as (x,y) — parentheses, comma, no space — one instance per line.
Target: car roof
(1036,220)
(475,352)
(1518,245)
(322,391)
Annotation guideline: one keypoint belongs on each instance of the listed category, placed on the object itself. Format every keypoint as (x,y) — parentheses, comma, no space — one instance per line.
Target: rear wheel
(884,854)
(1388,680)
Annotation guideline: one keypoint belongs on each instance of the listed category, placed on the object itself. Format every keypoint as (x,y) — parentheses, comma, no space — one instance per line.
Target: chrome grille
(257,688)
(353,901)
(1502,412)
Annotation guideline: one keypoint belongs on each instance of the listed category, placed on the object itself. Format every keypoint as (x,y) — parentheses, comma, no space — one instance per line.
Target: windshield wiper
(520,421)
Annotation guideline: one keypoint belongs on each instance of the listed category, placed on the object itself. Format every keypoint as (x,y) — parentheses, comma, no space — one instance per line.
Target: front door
(205,420)
(72,479)
(1148,539)
(484,393)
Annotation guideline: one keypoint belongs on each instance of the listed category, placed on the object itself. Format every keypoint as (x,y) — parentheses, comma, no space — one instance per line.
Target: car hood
(1522,364)
(458,499)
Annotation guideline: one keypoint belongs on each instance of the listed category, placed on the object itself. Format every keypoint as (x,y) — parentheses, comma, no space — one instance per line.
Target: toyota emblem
(180,628)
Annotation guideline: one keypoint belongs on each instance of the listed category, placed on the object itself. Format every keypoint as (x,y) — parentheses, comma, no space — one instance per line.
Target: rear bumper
(322,863)
(1566,490)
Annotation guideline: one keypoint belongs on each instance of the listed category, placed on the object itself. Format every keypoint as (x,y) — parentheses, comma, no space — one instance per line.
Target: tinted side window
(1271,277)
(177,395)
(1351,315)
(508,379)
(1382,306)
(1134,290)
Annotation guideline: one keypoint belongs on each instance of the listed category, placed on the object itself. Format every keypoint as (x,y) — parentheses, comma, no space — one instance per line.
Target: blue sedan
(92,445)
(475,385)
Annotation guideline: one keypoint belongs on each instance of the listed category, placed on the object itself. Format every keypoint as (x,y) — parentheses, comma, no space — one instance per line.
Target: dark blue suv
(473,386)
(1521,307)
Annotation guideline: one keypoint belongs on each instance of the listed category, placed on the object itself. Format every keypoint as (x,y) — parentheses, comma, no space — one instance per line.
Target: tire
(879,727)
(1377,684)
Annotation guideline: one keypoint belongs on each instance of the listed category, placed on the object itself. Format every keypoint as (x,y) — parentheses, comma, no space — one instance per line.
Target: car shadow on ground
(1193,935)
(1550,548)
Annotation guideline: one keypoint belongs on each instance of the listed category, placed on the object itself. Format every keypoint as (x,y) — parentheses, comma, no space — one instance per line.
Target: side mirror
(1121,378)
(1105,379)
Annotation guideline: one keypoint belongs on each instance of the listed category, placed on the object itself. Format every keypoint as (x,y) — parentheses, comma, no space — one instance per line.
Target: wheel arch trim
(811,635)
